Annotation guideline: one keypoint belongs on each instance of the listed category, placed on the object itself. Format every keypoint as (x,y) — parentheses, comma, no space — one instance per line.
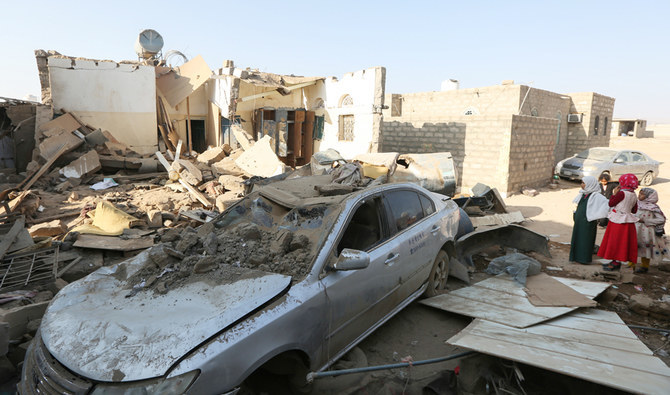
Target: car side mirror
(618,160)
(351,260)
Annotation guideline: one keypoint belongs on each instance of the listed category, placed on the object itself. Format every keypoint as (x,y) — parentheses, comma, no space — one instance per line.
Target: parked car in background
(297,280)
(598,160)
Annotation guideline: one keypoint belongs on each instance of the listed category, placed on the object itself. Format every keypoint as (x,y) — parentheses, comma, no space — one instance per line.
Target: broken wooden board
(112,243)
(14,203)
(592,345)
(498,219)
(501,299)
(545,290)
(64,123)
(8,239)
(83,166)
(178,84)
(50,146)
(63,149)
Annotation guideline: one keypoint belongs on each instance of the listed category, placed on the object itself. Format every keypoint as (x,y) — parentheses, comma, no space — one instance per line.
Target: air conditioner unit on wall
(574,118)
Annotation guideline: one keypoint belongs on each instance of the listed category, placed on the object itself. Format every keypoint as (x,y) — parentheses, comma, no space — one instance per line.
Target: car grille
(569,166)
(43,374)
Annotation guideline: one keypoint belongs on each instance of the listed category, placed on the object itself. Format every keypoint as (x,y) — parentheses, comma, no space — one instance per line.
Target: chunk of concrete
(212,155)
(51,228)
(48,147)
(260,159)
(155,218)
(87,164)
(19,317)
(226,200)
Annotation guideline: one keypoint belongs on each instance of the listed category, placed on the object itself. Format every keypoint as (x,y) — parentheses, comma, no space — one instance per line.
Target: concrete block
(48,147)
(52,228)
(155,219)
(212,155)
(19,317)
(87,164)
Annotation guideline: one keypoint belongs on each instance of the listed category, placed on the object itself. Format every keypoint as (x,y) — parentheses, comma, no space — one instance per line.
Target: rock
(154,219)
(249,231)
(644,305)
(212,155)
(529,191)
(51,228)
(33,326)
(211,244)
(7,370)
(282,241)
(298,243)
(159,255)
(63,186)
(171,235)
(205,229)
(232,183)
(205,264)
(188,240)
(258,258)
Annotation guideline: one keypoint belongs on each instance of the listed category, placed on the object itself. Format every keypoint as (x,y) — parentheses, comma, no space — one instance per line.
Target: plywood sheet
(64,123)
(593,345)
(501,299)
(177,85)
(112,243)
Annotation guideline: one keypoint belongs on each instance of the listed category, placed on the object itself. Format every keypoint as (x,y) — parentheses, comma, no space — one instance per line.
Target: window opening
(405,208)
(346,132)
(595,127)
(364,230)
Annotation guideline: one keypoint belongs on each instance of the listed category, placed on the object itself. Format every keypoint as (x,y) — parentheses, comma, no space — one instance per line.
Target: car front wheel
(438,275)
(647,179)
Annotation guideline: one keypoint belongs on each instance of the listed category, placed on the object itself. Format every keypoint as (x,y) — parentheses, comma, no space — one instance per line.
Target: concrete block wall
(532,145)
(478,144)
(581,135)
(444,106)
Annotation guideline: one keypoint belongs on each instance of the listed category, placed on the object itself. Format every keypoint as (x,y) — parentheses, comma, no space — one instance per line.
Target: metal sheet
(501,299)
(592,345)
(93,329)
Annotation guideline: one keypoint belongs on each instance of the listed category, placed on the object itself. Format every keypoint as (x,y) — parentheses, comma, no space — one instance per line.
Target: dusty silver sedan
(291,280)
(598,160)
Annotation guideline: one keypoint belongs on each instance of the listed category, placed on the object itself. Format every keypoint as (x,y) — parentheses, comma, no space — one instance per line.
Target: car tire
(647,179)
(438,274)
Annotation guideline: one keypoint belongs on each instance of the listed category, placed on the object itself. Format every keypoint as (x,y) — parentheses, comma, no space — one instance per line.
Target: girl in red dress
(620,240)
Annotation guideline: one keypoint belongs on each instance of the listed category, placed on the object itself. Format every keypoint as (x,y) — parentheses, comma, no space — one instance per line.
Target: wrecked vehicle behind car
(285,281)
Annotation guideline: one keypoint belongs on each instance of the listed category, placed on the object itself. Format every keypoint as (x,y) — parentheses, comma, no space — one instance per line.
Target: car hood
(583,162)
(95,330)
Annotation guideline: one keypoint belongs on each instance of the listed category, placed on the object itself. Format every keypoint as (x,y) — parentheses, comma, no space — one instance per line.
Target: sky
(617,48)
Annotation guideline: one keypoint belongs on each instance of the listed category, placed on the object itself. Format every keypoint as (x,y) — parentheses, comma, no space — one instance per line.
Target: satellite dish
(148,44)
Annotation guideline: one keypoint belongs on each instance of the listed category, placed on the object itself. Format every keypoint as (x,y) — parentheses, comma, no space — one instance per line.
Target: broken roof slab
(503,300)
(592,345)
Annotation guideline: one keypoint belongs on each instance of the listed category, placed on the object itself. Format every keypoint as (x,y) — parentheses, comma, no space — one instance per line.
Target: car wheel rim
(440,274)
(646,180)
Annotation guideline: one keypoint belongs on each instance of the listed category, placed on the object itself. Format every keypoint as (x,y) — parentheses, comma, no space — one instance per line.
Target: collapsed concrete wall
(118,97)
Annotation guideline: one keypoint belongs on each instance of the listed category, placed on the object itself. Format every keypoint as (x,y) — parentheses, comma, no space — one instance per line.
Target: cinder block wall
(533,141)
(582,135)
(478,144)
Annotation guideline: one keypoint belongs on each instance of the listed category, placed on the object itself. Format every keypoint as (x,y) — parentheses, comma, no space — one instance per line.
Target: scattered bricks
(154,218)
(212,155)
(87,164)
(19,317)
(52,228)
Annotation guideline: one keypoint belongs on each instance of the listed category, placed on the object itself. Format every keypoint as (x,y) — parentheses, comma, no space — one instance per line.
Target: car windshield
(599,154)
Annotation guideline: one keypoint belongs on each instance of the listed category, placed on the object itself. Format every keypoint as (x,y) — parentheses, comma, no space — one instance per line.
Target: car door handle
(435,229)
(391,257)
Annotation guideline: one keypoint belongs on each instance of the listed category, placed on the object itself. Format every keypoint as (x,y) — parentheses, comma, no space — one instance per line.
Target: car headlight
(173,385)
(590,168)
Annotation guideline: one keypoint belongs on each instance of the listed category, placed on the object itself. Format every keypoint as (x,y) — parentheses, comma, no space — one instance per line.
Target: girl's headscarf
(650,200)
(628,182)
(596,206)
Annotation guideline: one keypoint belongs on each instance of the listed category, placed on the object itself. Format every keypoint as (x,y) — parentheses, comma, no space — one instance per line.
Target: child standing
(650,244)
(620,240)
(591,206)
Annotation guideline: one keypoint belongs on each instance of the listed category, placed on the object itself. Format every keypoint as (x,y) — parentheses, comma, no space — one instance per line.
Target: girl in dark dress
(591,205)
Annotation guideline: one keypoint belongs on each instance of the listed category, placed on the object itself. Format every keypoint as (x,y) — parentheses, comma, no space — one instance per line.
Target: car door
(621,164)
(640,165)
(415,228)
(358,299)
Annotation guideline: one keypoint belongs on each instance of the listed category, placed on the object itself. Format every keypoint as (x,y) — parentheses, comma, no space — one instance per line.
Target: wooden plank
(68,267)
(296,138)
(64,123)
(14,203)
(112,243)
(178,84)
(576,321)
(11,235)
(199,196)
(501,299)
(63,148)
(628,371)
(308,136)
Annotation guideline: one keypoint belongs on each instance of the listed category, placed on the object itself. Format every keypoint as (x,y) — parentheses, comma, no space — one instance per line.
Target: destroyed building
(133,101)
(507,136)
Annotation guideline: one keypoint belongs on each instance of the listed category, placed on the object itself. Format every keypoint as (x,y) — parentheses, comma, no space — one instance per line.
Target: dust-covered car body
(373,252)
(598,160)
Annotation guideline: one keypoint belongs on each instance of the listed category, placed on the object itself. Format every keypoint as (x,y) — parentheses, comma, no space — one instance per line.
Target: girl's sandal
(610,267)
